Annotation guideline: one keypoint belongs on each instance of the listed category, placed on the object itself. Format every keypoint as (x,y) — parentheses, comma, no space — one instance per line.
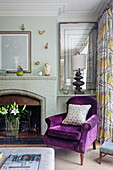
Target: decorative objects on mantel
(40,73)
(12,114)
(41,32)
(78,64)
(47,69)
(19,71)
(2,72)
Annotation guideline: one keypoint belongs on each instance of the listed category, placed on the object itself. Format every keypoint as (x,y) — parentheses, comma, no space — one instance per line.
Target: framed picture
(15,50)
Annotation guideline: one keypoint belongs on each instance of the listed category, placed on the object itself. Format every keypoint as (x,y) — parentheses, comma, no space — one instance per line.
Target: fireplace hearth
(21,141)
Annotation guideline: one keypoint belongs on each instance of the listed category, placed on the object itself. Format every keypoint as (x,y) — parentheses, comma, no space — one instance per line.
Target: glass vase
(12,128)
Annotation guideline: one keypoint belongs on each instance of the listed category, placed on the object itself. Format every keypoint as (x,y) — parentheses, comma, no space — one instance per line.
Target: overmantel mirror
(15,50)
(78,38)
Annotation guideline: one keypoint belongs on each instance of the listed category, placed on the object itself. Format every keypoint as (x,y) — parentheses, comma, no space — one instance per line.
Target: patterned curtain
(105,77)
(92,60)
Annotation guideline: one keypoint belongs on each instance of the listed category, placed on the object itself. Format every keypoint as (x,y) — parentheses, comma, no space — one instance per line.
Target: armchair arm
(86,127)
(55,120)
(90,123)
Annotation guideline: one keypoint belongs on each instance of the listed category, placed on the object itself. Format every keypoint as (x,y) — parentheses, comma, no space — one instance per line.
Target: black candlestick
(78,82)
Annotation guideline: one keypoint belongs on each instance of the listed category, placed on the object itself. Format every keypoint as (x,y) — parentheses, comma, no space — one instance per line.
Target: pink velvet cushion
(66,132)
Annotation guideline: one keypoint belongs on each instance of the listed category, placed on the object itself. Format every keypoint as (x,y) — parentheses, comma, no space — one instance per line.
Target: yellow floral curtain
(104,88)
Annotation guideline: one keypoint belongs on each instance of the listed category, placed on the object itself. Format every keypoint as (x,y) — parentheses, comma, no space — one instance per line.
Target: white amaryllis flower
(15,111)
(4,112)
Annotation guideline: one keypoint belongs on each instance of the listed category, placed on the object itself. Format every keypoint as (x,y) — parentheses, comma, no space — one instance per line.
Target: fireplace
(31,124)
(42,88)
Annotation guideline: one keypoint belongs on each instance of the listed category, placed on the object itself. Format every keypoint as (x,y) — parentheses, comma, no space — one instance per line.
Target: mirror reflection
(77,38)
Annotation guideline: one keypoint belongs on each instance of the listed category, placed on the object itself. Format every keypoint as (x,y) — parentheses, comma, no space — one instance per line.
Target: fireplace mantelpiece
(27,78)
(42,88)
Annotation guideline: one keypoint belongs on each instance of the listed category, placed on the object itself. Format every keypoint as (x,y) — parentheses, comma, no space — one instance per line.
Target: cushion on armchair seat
(66,132)
(76,114)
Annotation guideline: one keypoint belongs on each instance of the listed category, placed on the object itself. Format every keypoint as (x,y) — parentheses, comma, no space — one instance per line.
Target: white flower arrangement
(12,113)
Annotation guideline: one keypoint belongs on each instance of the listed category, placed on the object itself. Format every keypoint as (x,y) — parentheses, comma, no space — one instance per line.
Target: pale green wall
(38,52)
(34,24)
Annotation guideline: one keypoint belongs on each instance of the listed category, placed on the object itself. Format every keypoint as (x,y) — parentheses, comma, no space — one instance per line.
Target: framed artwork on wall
(15,50)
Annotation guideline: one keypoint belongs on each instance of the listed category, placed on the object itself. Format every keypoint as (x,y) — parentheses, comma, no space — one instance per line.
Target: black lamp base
(78,82)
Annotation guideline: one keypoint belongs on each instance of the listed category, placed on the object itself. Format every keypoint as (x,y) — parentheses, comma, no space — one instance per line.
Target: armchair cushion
(76,114)
(65,132)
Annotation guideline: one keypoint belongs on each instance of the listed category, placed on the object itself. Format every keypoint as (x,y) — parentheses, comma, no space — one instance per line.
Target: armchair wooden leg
(82,158)
(100,157)
(94,145)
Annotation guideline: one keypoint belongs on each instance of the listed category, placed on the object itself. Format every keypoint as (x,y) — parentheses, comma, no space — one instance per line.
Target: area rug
(69,160)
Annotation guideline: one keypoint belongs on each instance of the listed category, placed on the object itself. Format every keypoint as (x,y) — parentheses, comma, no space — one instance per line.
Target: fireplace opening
(30,126)
(32,122)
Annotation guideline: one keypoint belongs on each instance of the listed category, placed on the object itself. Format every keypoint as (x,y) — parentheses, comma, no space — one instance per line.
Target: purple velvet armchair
(77,138)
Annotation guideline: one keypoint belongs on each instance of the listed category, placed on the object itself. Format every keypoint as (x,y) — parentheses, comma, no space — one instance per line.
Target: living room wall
(38,51)
(38,42)
(42,86)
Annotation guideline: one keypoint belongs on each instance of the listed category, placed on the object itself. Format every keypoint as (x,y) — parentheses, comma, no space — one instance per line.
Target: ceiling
(70,5)
(64,7)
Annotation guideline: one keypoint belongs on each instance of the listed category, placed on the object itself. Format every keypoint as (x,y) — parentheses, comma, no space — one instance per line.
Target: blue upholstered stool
(106,149)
